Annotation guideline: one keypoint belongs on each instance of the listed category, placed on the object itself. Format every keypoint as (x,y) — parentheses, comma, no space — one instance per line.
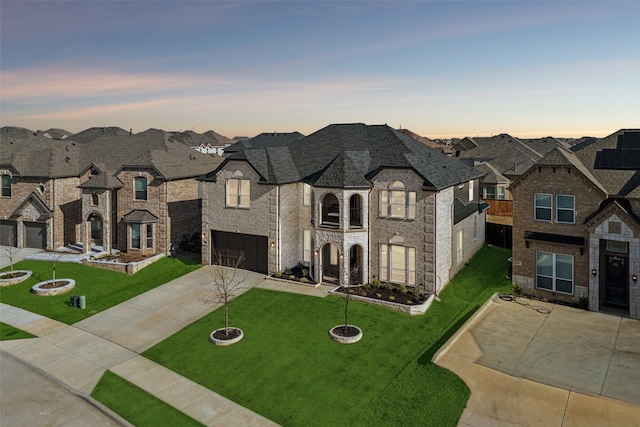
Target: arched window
(355,211)
(94,199)
(238,191)
(330,210)
(396,202)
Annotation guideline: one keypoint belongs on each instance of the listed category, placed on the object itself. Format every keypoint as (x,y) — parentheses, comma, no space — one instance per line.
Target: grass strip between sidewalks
(102,288)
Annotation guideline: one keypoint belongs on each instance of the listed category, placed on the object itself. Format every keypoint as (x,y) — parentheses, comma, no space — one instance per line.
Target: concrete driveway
(533,363)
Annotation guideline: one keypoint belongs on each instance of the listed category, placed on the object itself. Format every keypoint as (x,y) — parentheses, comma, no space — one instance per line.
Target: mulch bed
(346,331)
(233,333)
(385,295)
(13,275)
(57,284)
(123,258)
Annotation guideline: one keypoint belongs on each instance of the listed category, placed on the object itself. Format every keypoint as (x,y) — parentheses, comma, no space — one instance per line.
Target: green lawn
(8,332)
(287,369)
(102,288)
(136,405)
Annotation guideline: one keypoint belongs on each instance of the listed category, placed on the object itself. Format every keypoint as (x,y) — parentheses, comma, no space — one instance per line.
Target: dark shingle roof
(97,132)
(34,156)
(350,155)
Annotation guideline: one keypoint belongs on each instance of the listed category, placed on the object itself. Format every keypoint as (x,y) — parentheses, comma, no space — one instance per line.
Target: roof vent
(68,159)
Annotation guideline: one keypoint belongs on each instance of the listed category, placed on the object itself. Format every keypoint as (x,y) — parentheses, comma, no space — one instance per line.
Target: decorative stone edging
(14,280)
(223,343)
(414,310)
(293,282)
(40,291)
(122,267)
(345,340)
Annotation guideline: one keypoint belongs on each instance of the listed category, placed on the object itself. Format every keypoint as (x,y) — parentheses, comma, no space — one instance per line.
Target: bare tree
(227,280)
(10,249)
(55,258)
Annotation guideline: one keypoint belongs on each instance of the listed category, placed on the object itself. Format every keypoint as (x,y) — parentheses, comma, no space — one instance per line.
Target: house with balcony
(576,231)
(501,159)
(115,190)
(351,203)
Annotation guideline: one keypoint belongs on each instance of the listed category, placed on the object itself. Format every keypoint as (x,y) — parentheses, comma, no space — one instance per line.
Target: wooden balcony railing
(500,207)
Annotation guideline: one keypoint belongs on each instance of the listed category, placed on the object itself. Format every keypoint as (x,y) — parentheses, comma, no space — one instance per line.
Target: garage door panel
(35,235)
(232,246)
(8,233)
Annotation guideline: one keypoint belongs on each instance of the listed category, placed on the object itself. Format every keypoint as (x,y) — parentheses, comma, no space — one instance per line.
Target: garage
(8,233)
(231,246)
(35,235)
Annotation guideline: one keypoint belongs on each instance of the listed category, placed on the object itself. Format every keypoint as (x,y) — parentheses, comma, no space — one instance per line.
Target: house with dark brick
(134,193)
(576,230)
(351,203)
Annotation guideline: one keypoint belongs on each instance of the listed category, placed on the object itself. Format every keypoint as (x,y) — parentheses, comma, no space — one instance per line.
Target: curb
(468,324)
(108,413)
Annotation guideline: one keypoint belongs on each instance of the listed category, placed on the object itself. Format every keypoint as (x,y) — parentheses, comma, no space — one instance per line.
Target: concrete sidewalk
(569,367)
(76,356)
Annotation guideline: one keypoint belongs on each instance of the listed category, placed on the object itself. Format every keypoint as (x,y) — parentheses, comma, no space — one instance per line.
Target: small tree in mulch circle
(227,280)
(55,258)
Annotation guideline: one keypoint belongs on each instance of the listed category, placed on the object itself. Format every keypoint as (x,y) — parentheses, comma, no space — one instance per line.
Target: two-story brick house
(350,202)
(119,191)
(576,234)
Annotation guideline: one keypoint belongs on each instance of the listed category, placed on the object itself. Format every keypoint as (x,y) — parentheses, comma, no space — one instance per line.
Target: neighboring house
(350,202)
(54,133)
(209,142)
(443,148)
(266,139)
(501,158)
(127,192)
(576,232)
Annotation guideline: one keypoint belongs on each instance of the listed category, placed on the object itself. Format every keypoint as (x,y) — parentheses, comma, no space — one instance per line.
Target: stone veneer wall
(596,287)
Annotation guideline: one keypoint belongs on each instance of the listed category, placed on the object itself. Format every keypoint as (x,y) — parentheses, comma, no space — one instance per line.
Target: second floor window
(397,203)
(6,185)
(306,198)
(565,209)
(542,207)
(238,191)
(471,191)
(140,188)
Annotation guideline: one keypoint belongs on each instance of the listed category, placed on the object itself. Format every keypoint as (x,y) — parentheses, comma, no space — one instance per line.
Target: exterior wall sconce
(341,256)
(594,272)
(273,244)
(315,253)
(634,277)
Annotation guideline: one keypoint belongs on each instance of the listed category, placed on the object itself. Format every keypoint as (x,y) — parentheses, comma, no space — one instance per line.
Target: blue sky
(441,69)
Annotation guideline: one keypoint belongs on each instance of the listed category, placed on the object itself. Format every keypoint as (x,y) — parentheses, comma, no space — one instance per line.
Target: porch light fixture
(341,256)
(594,272)
(273,244)
(634,277)
(315,253)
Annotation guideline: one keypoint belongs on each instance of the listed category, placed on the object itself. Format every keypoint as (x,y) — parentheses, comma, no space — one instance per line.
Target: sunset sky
(441,69)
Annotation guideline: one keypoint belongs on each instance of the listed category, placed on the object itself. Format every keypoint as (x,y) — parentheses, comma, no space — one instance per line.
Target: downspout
(278,230)
(433,231)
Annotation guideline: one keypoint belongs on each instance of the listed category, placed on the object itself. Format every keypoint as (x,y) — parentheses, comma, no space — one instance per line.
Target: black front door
(616,287)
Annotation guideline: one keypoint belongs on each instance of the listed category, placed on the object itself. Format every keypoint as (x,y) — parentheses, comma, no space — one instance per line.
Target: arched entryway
(355,265)
(330,263)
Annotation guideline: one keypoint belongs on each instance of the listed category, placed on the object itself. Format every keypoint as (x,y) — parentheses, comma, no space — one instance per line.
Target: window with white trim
(238,191)
(542,207)
(397,203)
(306,256)
(554,272)
(460,247)
(140,184)
(6,185)
(501,192)
(135,236)
(306,197)
(490,192)
(397,262)
(471,190)
(565,209)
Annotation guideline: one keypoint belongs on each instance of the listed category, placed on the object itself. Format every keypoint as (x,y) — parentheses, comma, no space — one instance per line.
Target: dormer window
(140,183)
(397,203)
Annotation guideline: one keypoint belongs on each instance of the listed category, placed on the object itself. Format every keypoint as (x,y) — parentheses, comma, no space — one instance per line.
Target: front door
(616,287)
